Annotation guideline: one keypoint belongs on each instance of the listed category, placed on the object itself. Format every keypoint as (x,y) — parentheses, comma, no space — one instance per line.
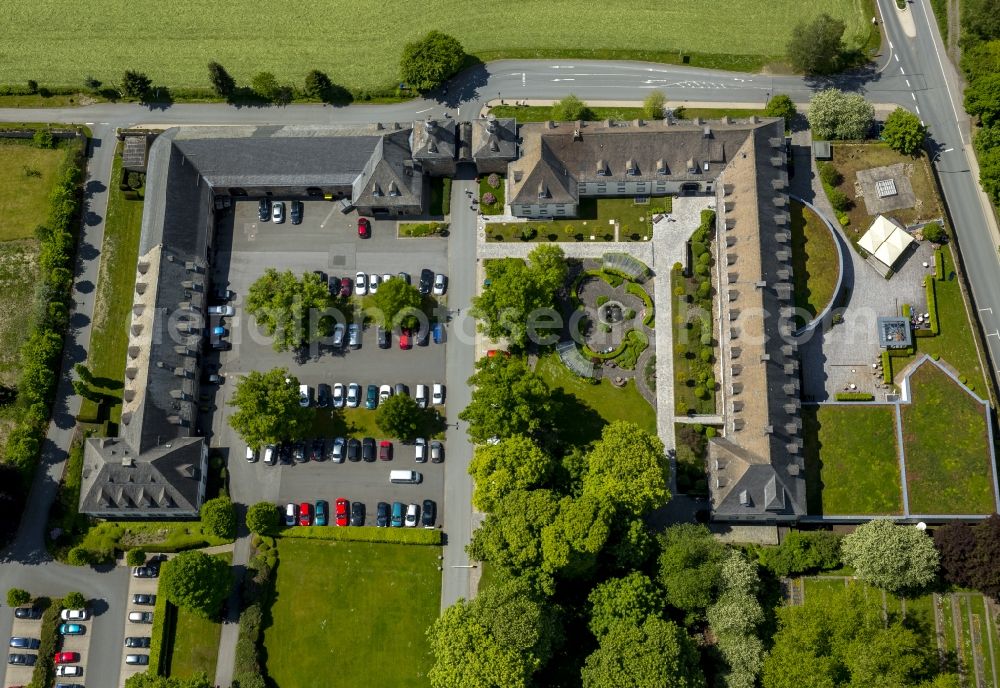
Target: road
(911,72)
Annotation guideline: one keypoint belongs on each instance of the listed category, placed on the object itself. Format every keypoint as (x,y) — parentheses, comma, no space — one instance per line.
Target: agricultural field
(60,44)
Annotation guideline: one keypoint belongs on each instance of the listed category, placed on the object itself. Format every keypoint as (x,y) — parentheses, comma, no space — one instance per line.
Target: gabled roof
(434,140)
(494,138)
(886,239)
(389,179)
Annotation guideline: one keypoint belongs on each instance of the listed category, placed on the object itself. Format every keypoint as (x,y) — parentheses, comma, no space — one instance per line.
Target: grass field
(112,311)
(360,422)
(815,266)
(195,648)
(585,408)
(27,176)
(354,611)
(947,461)
(61,44)
(851,461)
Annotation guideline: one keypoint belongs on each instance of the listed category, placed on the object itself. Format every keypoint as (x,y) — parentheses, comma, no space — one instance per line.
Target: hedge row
(446,196)
(939,263)
(50,642)
(929,283)
(399,536)
(902,352)
(636,290)
(886,367)
(422,229)
(855,396)
(164,615)
(41,351)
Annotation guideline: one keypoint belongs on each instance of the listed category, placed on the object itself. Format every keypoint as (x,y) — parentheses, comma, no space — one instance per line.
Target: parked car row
(266,210)
(349,395)
(365,283)
(347,513)
(339,449)
(350,335)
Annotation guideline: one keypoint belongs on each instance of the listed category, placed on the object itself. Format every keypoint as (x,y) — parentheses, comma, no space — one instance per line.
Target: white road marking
(902,71)
(564,79)
(897,57)
(327,218)
(890,45)
(422,111)
(990,309)
(918,112)
(563,67)
(907,83)
(913,95)
(523,78)
(993,334)
(947,150)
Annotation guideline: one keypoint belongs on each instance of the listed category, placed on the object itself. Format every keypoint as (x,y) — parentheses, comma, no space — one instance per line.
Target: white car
(384,392)
(278,212)
(69,670)
(251,455)
(353,395)
(74,615)
(305,396)
(291,514)
(421,396)
(411,516)
(338,395)
(270,455)
(437,395)
(373,283)
(440,284)
(140,617)
(222,310)
(386,277)
(360,284)
(421,445)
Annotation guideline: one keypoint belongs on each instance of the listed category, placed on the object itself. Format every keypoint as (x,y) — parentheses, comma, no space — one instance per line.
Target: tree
(135,84)
(263,518)
(816,47)
(91,83)
(629,468)
(572,543)
(17,597)
(986,139)
(630,599)
(898,559)
(980,19)
(984,569)
(802,552)
(989,174)
(268,408)
(219,517)
(398,302)
(690,565)
(515,463)
(289,309)
(318,85)
(570,109)
(904,132)
(222,83)
(781,105)
(508,399)
(655,654)
(135,557)
(429,62)
(652,106)
(956,544)
(265,85)
(74,600)
(399,416)
(834,114)
(497,640)
(734,618)
(196,581)
(982,99)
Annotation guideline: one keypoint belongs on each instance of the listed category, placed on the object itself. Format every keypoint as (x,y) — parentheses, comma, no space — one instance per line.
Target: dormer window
(692,166)
(543,190)
(661,166)
(393,189)
(631,169)
(602,168)
(376,190)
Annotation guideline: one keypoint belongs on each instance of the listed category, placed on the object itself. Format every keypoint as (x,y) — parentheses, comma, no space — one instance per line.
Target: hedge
(446,196)
(939,263)
(636,290)
(399,536)
(855,396)
(902,352)
(907,310)
(161,637)
(50,642)
(886,367)
(421,229)
(932,304)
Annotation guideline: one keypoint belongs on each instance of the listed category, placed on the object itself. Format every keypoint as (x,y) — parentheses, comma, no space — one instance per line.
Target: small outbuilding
(886,240)
(822,150)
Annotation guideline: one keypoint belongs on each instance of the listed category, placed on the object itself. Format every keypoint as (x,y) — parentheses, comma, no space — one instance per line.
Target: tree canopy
(980,19)
(628,466)
(570,109)
(780,105)
(514,463)
(196,581)
(75,600)
(17,596)
(219,517)
(898,559)
(904,132)
(291,310)
(816,46)
(222,83)
(735,617)
(399,416)
(982,99)
(508,399)
(429,62)
(263,518)
(690,565)
(834,114)
(970,555)
(573,541)
(135,84)
(655,654)
(629,599)
(497,640)
(398,303)
(652,106)
(519,301)
(268,409)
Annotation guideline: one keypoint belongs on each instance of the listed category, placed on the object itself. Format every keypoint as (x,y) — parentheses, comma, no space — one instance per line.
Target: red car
(342,515)
(67,657)
(405,339)
(385,450)
(305,514)
(346,287)
(364,227)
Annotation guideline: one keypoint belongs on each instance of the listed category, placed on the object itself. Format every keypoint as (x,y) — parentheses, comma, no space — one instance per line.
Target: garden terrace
(815,261)
(606,219)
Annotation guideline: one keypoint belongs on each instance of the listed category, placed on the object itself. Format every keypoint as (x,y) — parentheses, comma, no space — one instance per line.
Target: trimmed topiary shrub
(855,396)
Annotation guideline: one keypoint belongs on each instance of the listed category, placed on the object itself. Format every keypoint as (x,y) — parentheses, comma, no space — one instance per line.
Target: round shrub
(78,556)
(830,175)
(705,258)
(16,597)
(702,270)
(710,432)
(601,300)
(135,557)
(706,355)
(528,233)
(489,198)
(263,518)
(698,249)
(678,291)
(704,289)
(493,180)
(629,313)
(933,232)
(701,392)
(706,338)
(840,201)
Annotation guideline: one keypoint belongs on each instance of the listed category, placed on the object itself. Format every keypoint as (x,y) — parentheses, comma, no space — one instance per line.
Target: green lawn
(49,38)
(195,648)
(852,465)
(542,113)
(360,422)
(814,588)
(716,113)
(593,217)
(18,275)
(27,176)
(113,308)
(815,265)
(687,364)
(586,408)
(947,461)
(354,611)
(495,208)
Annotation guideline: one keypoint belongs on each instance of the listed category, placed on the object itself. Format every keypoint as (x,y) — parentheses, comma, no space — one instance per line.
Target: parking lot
(23,628)
(326,240)
(147,586)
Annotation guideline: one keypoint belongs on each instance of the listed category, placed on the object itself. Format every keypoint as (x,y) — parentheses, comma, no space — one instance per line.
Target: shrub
(907,310)
(164,615)
(32,86)
(933,232)
(50,642)
(219,517)
(706,355)
(802,552)
(710,432)
(830,175)
(43,139)
(135,557)
(17,597)
(704,289)
(839,200)
(263,518)
(939,264)
(629,313)
(855,396)
(420,536)
(703,269)
(932,304)
(494,181)
(446,196)
(886,367)
(489,198)
(318,85)
(79,556)
(570,109)
(528,233)
(601,300)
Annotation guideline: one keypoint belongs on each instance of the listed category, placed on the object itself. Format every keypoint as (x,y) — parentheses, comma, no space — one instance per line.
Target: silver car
(338,335)
(278,212)
(353,395)
(338,395)
(339,449)
(354,336)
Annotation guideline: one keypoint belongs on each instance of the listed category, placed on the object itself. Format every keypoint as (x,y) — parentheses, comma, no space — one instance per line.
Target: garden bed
(415,230)
(492,187)
(595,218)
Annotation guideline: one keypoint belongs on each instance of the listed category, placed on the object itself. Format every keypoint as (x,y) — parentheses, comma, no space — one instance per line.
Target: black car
(285,454)
(323,394)
(353,449)
(137,641)
(316,451)
(333,284)
(22,660)
(299,452)
(322,276)
(149,571)
(264,209)
(357,513)
(401,390)
(423,336)
(383,338)
(223,295)
(429,514)
(25,643)
(140,598)
(426,281)
(368,449)
(296,212)
(382,515)
(27,613)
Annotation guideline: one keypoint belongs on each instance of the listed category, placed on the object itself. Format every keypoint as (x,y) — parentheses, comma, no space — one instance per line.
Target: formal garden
(597,219)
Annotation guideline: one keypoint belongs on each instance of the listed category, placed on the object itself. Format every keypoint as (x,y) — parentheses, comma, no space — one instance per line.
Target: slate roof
(389,179)
(434,139)
(494,138)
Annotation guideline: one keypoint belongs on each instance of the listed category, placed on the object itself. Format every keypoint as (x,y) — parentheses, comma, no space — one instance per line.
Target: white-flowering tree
(735,617)
(897,559)
(834,114)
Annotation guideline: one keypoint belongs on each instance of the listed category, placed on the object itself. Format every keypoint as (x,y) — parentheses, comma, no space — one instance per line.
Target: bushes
(939,264)
(929,283)
(855,396)
(830,175)
(802,552)
(246,668)
(422,229)
(263,518)
(135,557)
(17,597)
(446,196)
(886,367)
(164,618)
(636,290)
(219,517)
(399,536)
(635,344)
